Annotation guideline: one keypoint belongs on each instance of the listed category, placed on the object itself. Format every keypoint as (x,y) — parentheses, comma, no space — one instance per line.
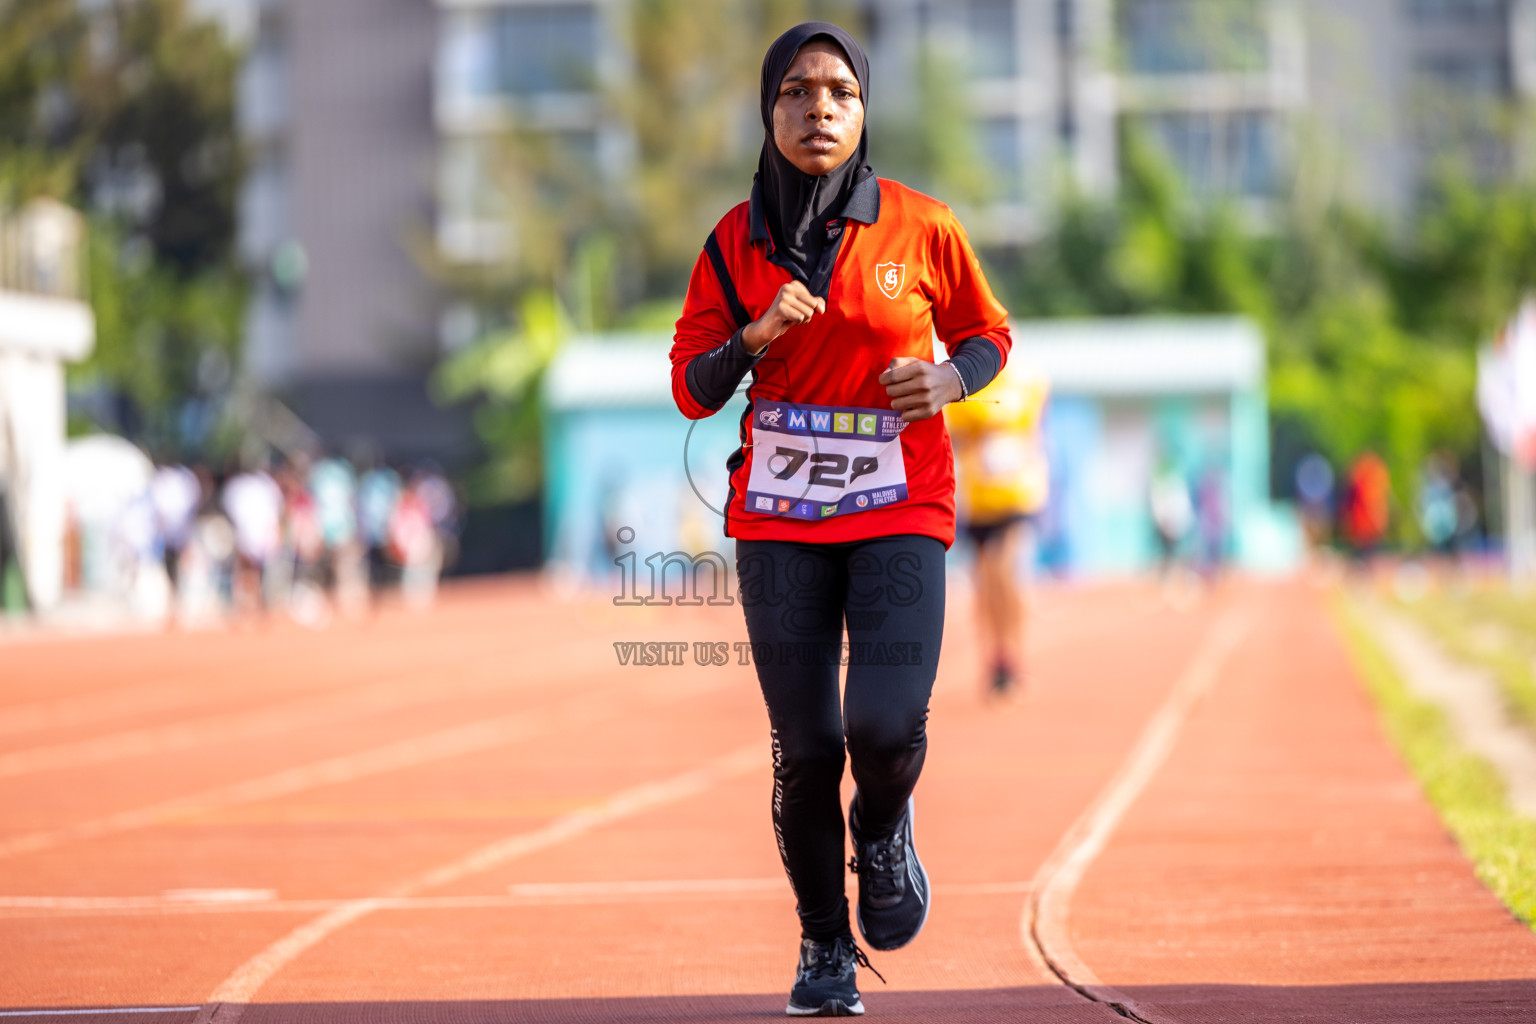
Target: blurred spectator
(1314,491)
(1211,522)
(333,483)
(416,545)
(1173,514)
(176,494)
(142,555)
(204,588)
(305,547)
(254,503)
(1438,516)
(1467,521)
(1364,513)
(378,494)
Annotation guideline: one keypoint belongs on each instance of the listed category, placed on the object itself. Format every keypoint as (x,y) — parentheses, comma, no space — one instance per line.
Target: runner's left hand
(918,388)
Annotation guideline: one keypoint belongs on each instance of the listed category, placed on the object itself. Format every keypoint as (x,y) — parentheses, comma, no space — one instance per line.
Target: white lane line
(311,711)
(84,1013)
(530,894)
(459,741)
(227,1003)
(1046,932)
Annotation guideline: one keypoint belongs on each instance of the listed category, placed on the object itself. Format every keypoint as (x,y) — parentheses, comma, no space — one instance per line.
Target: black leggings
(890,592)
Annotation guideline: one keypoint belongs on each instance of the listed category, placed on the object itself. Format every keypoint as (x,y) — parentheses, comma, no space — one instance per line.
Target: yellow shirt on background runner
(1003,467)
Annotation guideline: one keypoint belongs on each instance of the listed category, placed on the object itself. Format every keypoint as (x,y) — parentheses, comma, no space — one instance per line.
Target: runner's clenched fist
(793,305)
(918,388)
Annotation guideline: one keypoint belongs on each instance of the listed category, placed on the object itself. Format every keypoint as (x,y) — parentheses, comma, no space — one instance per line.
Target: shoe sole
(912,861)
(830,1008)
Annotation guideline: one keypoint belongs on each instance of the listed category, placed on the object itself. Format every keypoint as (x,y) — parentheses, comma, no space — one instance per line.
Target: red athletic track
(1279,864)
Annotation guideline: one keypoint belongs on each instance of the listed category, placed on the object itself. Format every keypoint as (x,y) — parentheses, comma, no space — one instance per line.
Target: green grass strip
(1452,619)
(1465,789)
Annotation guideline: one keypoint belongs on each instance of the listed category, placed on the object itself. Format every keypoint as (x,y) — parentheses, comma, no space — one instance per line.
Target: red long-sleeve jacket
(824,459)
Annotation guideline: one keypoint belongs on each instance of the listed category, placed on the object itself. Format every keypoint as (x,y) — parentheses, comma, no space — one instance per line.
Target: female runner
(828,287)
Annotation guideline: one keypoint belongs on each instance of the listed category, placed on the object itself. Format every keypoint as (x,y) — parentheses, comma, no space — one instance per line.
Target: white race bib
(816,461)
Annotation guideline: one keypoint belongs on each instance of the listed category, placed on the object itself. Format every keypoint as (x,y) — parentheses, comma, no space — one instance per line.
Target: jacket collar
(863,205)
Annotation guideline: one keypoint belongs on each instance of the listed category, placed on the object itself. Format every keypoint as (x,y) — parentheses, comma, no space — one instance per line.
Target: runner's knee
(885,738)
(809,760)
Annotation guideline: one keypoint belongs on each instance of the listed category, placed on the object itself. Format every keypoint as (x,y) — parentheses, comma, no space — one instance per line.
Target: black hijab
(797,205)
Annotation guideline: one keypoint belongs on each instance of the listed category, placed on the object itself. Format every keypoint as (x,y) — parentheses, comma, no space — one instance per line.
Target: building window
(1459,12)
(1219,153)
(993,51)
(1171,37)
(544,49)
(1460,104)
(467,58)
(1002,146)
(1464,74)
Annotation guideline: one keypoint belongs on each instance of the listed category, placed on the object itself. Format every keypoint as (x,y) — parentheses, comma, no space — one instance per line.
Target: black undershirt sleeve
(714,376)
(978,361)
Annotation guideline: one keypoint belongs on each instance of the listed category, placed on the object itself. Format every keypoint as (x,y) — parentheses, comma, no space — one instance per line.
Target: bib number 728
(827,468)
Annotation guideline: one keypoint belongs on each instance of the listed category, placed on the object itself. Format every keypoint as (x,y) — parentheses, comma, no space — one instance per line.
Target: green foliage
(160,336)
(126,110)
(1371,334)
(505,370)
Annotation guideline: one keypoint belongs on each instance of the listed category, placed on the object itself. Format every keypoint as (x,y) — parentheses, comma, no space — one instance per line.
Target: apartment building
(373,126)
(338,216)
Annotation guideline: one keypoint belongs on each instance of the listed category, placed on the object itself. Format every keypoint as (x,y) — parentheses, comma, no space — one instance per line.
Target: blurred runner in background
(378,492)
(1365,510)
(177,494)
(254,503)
(1005,481)
(415,543)
(333,483)
(1173,516)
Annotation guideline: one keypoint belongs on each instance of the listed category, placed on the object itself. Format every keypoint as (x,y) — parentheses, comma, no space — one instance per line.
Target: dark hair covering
(796,204)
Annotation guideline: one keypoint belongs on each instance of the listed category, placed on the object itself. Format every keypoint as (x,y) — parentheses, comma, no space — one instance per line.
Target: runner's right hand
(793,305)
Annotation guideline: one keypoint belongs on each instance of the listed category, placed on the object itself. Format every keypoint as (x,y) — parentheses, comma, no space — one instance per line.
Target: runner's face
(819,115)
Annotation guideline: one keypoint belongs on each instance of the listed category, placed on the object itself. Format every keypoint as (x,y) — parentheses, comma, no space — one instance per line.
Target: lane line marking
(400,691)
(585,710)
(176,689)
(532,894)
(1045,924)
(227,1002)
(85,1013)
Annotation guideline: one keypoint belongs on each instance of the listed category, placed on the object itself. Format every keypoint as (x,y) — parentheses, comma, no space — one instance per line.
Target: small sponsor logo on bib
(890,277)
(765,504)
(862,501)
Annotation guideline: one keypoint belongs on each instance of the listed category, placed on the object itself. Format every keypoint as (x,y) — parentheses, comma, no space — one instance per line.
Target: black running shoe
(826,984)
(893,887)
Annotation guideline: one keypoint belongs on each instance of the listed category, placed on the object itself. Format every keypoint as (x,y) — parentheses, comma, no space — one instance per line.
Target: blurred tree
(126,109)
(1371,332)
